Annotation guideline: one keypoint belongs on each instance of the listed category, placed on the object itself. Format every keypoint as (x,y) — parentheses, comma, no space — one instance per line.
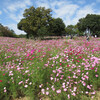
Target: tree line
(38,22)
(6,32)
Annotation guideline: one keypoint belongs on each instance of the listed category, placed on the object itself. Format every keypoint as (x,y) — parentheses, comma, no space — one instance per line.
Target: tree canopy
(92,22)
(40,19)
(57,27)
(72,30)
(34,19)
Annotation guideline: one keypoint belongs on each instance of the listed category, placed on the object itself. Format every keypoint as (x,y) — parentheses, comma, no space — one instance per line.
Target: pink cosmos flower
(96,75)
(27,54)
(57,75)
(32,51)
(0,80)
(53,89)
(39,50)
(79,70)
(47,93)
(62,77)
(54,71)
(92,68)
(63,86)
(68,96)
(47,88)
(5,89)
(10,73)
(65,89)
(77,60)
(88,87)
(59,70)
(3,74)
(60,64)
(73,94)
(93,92)
(46,65)
(86,77)
(26,86)
(75,82)
(75,88)
(51,78)
(67,65)
(26,71)
(69,77)
(20,82)
(43,91)
(86,92)
(87,73)
(40,86)
(84,83)
(58,91)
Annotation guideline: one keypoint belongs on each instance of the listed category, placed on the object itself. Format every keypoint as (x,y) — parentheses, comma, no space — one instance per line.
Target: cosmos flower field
(57,69)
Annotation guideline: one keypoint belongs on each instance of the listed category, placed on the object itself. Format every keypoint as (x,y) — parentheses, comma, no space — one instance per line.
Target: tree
(72,30)
(57,27)
(5,31)
(34,19)
(42,32)
(1,28)
(22,36)
(92,22)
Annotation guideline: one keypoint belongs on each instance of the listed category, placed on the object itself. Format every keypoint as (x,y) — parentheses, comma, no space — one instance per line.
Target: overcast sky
(11,11)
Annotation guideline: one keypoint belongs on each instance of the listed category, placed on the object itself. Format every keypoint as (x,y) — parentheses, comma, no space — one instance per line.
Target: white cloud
(71,13)
(18,5)
(15,12)
(0,12)
(98,1)
(60,8)
(42,3)
(63,9)
(14,27)
(16,17)
(82,12)
(81,2)
(16,9)
(5,10)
